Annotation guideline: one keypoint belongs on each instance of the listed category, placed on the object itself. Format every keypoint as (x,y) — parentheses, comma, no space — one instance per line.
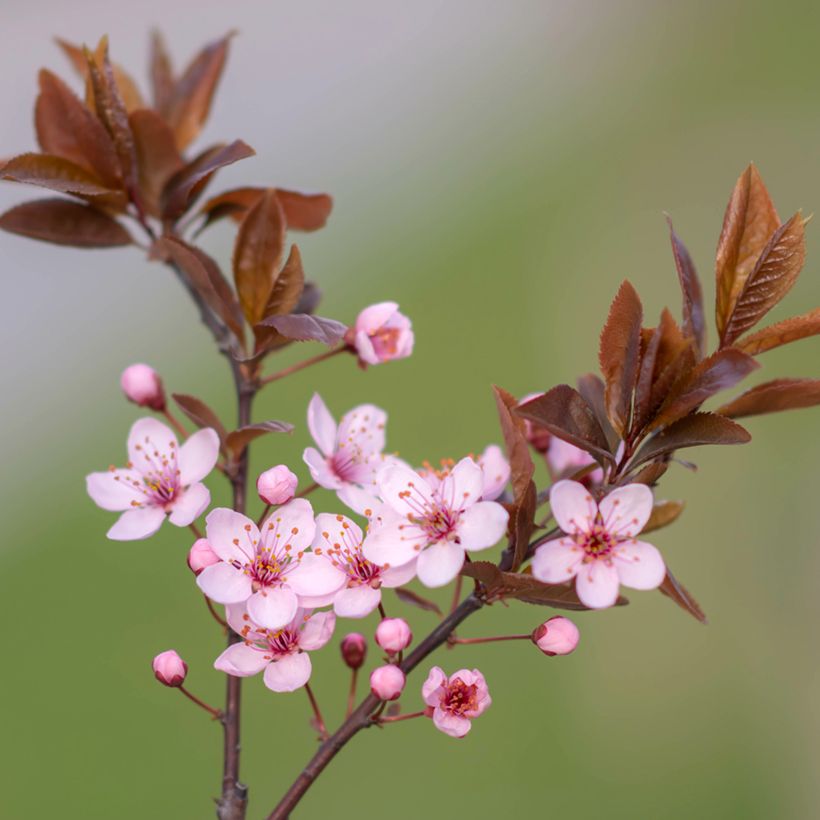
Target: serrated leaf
(200,414)
(694,321)
(773,397)
(58,174)
(673,589)
(302,327)
(618,354)
(238,440)
(781,333)
(65,223)
(663,514)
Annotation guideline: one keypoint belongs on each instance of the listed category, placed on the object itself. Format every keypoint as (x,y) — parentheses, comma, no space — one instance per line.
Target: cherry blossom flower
(269,570)
(556,636)
(453,702)
(599,549)
(338,541)
(277,485)
(281,653)
(494,467)
(161,478)
(169,668)
(433,521)
(381,334)
(564,459)
(142,385)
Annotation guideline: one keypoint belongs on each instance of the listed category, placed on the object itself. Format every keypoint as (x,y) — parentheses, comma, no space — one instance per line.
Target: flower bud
(537,436)
(277,485)
(381,334)
(557,636)
(387,682)
(169,668)
(143,386)
(201,555)
(393,635)
(354,650)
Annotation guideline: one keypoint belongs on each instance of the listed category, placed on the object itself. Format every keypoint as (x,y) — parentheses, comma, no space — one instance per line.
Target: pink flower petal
(394,542)
(496,471)
(241,661)
(315,575)
(292,523)
(232,536)
(373,317)
(481,526)
(149,442)
(339,528)
(463,486)
(597,584)
(225,584)
(357,499)
(357,601)
(273,607)
(320,470)
(440,563)
(362,429)
(451,724)
(288,673)
(572,506)
(404,490)
(557,561)
(137,524)
(399,576)
(639,565)
(114,490)
(626,510)
(317,630)
(190,505)
(365,349)
(197,456)
(321,425)
(433,688)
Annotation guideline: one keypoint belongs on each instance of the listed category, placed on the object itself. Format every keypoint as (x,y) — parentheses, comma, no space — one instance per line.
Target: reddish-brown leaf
(721,371)
(694,322)
(593,390)
(673,589)
(65,223)
(67,129)
(565,413)
(748,224)
(157,157)
(781,333)
(664,513)
(304,212)
(238,440)
(649,475)
(691,431)
(257,255)
(618,354)
(200,414)
(234,203)
(194,91)
(515,442)
(774,396)
(770,280)
(185,186)
(407,596)
(162,74)
(302,327)
(57,174)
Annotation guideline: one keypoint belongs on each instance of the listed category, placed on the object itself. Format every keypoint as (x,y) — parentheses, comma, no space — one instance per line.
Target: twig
(295,368)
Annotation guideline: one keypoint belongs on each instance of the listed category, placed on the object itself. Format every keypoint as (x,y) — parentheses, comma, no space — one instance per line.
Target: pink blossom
(269,570)
(456,700)
(169,668)
(599,549)
(381,334)
(387,682)
(281,653)
(143,386)
(201,555)
(277,485)
(338,541)
(566,459)
(393,635)
(161,478)
(495,470)
(354,650)
(434,521)
(556,636)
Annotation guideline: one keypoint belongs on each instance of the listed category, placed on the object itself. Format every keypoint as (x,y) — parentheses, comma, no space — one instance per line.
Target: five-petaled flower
(494,467)
(453,702)
(269,570)
(434,522)
(281,653)
(161,479)
(381,333)
(599,549)
(338,541)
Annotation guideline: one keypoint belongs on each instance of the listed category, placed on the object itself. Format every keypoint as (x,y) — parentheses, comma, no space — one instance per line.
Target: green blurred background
(498,169)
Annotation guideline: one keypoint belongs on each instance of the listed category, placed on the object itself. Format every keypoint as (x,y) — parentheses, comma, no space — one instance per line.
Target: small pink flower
(393,635)
(564,459)
(201,555)
(143,386)
(381,334)
(494,467)
(281,653)
(387,682)
(434,522)
(338,541)
(456,700)
(354,650)
(277,485)
(600,550)
(269,570)
(556,636)
(161,479)
(169,668)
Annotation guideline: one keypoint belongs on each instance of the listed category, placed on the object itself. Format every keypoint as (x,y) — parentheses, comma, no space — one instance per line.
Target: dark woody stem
(210,709)
(295,368)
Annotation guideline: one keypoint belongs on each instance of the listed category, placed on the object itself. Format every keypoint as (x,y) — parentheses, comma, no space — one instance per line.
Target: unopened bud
(277,485)
(387,682)
(354,650)
(537,436)
(143,386)
(393,635)
(169,668)
(557,636)
(201,555)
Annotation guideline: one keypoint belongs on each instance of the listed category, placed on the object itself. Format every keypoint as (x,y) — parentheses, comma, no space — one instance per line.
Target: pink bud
(201,555)
(381,333)
(169,668)
(557,636)
(277,485)
(143,386)
(387,682)
(538,437)
(354,650)
(393,635)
